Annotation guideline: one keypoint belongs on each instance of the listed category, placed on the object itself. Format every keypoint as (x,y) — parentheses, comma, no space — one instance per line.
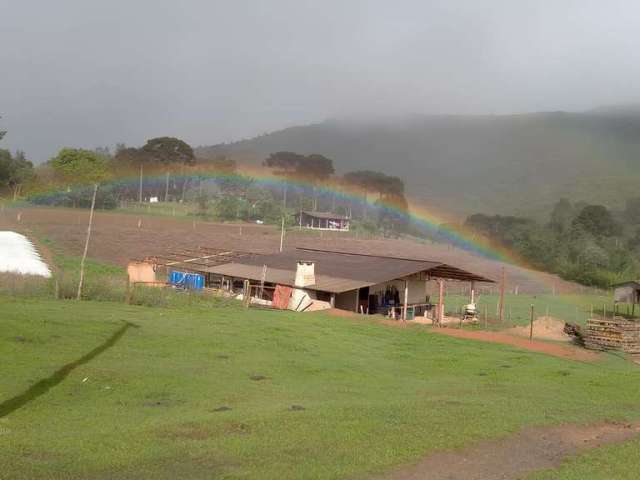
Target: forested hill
(515,164)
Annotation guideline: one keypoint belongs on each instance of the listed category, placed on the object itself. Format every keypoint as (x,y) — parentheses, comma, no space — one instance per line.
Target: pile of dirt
(545,328)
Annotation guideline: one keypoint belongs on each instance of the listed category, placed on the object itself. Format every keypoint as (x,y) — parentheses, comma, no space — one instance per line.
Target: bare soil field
(120,237)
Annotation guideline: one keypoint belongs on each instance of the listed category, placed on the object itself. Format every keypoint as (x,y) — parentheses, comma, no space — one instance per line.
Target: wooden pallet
(617,333)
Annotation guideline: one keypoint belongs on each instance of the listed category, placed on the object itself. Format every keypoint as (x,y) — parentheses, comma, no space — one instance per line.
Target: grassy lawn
(172,209)
(220,392)
(570,308)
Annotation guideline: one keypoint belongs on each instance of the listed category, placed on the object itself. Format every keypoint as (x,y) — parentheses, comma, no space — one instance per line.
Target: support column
(406,300)
(332,300)
(472,293)
(440,301)
(357,299)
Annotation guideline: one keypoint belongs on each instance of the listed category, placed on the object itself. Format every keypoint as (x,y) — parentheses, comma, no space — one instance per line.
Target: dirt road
(558,350)
(514,456)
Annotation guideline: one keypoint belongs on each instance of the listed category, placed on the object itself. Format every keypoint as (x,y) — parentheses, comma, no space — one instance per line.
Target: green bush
(170,297)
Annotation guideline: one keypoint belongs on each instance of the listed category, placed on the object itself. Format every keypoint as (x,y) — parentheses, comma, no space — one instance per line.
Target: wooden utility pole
(284,194)
(86,243)
(282,234)
(531,324)
(406,300)
(263,279)
(502,284)
(166,188)
(140,186)
(440,301)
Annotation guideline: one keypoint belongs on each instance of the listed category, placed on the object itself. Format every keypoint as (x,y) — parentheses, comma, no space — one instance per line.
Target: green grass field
(569,308)
(108,390)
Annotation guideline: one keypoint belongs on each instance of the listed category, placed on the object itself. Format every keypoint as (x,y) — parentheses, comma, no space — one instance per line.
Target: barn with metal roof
(345,280)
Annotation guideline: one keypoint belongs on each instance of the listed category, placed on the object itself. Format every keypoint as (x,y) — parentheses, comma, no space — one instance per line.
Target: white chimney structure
(305,274)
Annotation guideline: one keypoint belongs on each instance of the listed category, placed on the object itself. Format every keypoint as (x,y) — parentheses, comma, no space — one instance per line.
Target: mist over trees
(510,164)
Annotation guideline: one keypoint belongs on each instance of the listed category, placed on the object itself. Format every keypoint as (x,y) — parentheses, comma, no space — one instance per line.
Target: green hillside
(516,164)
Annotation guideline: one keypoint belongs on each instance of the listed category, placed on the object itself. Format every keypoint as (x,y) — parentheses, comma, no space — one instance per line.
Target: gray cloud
(88,73)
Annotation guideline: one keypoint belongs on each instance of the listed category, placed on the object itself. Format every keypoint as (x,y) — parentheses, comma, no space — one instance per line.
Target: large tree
(376,182)
(285,165)
(168,150)
(77,166)
(291,166)
(21,171)
(161,155)
(561,216)
(316,170)
(597,221)
(15,171)
(388,188)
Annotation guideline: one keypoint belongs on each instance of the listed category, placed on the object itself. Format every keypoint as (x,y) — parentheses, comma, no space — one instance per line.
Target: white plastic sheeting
(18,255)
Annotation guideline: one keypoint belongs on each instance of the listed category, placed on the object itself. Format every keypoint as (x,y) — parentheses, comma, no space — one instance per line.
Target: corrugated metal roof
(323,283)
(327,215)
(338,272)
(628,282)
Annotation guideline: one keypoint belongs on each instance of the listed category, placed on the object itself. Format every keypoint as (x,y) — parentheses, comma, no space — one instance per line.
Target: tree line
(167,168)
(589,244)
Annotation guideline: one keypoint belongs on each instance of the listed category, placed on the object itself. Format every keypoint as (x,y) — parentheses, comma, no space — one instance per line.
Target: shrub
(106,198)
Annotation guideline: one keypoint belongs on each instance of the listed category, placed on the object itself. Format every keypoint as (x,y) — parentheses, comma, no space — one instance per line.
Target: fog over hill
(487,163)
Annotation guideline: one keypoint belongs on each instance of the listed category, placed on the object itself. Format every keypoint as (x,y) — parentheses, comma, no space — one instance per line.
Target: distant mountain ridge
(510,164)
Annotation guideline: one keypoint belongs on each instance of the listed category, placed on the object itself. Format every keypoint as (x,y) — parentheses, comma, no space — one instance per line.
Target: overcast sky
(88,73)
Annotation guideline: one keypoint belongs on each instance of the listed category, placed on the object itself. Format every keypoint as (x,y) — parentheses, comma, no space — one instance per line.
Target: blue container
(198,281)
(191,281)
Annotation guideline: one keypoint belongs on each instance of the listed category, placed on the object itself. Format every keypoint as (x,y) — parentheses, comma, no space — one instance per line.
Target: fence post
(246,294)
(531,324)
(127,294)
(485,316)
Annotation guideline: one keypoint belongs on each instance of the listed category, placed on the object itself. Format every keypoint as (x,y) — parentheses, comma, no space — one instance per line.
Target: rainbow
(427,219)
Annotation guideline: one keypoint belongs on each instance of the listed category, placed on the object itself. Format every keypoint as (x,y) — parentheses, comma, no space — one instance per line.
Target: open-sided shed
(347,280)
